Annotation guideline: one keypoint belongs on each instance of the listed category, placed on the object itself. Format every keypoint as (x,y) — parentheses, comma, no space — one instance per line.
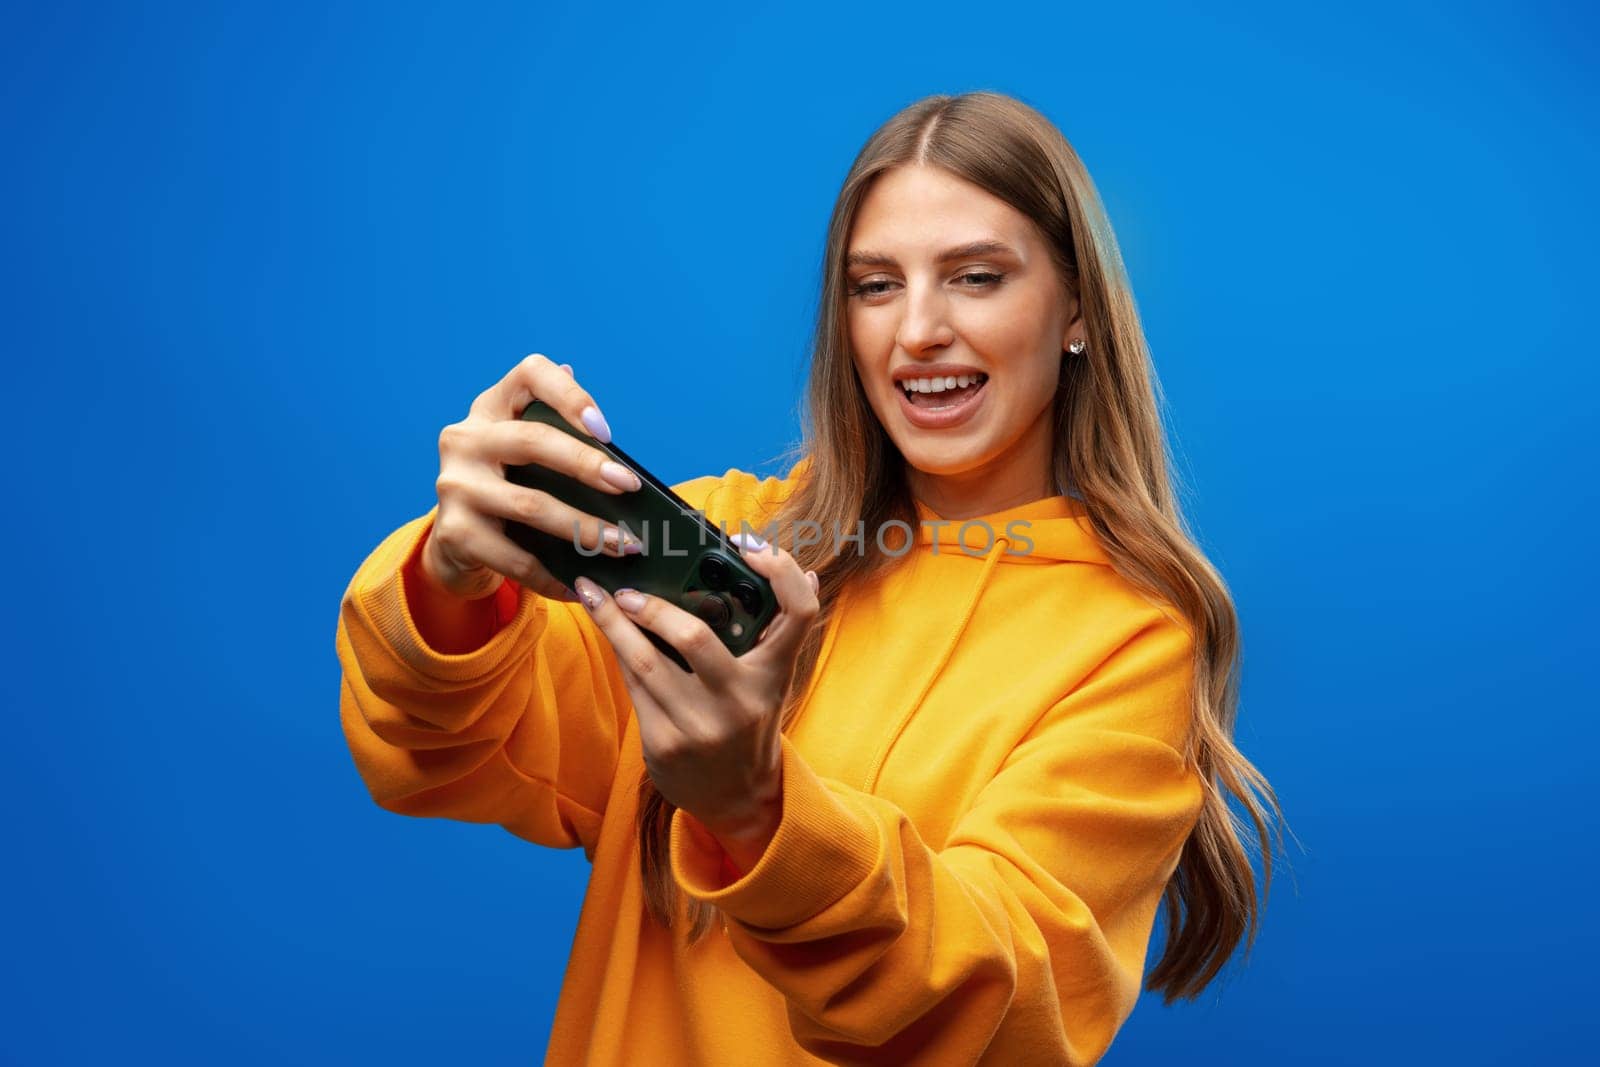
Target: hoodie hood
(1051,530)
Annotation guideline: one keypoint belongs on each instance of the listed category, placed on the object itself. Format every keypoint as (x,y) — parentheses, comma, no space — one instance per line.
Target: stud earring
(1077,347)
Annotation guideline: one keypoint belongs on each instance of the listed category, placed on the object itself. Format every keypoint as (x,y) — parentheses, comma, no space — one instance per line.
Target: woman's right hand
(467,552)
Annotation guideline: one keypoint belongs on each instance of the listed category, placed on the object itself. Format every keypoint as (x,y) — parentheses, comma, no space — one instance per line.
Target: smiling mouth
(936,394)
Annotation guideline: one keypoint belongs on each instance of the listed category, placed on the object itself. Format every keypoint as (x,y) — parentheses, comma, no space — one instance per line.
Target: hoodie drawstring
(1000,544)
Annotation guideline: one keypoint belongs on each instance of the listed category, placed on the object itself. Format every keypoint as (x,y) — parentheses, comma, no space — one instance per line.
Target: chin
(947,458)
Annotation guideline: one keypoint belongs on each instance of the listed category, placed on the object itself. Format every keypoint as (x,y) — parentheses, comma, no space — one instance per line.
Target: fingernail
(568,368)
(595,423)
(628,599)
(588,593)
(750,541)
(567,594)
(816,583)
(618,543)
(618,475)
(612,537)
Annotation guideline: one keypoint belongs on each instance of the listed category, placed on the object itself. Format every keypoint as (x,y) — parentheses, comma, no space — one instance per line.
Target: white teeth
(939,385)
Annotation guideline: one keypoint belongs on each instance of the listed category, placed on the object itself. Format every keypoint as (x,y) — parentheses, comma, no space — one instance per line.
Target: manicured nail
(750,541)
(628,599)
(612,537)
(816,583)
(568,368)
(588,593)
(595,423)
(618,475)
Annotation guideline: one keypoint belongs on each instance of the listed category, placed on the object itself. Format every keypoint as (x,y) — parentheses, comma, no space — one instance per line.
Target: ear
(1075,330)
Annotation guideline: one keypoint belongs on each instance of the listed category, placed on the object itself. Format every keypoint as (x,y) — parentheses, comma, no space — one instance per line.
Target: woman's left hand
(710,738)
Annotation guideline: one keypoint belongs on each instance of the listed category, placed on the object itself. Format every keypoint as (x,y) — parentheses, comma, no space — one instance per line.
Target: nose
(925,324)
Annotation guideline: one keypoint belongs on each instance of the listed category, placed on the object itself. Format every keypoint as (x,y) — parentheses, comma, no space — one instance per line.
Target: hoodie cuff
(823,847)
(382,597)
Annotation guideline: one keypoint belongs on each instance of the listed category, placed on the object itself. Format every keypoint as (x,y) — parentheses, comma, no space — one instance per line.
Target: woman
(933,812)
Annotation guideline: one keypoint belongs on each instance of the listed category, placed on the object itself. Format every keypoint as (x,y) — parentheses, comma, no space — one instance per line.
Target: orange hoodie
(983,798)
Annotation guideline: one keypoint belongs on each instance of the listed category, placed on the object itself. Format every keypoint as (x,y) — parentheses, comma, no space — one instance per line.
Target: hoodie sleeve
(523,731)
(1023,939)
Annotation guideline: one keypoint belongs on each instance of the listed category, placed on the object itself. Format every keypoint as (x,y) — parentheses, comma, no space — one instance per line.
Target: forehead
(924,209)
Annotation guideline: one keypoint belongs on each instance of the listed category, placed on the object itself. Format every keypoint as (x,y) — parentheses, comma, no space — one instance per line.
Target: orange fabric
(984,795)
(506,599)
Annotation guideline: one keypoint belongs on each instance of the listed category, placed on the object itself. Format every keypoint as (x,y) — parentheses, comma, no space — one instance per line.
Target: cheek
(867,376)
(866,339)
(1013,341)
(1010,330)
(869,353)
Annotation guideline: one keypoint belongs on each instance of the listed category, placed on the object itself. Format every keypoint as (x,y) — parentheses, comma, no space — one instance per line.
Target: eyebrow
(883,259)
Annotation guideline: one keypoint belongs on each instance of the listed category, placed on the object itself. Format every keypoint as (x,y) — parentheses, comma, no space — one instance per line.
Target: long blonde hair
(1109,446)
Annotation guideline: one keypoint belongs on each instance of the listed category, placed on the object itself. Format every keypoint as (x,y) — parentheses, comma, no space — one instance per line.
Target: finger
(655,673)
(537,377)
(691,635)
(464,538)
(657,732)
(796,594)
(515,442)
(539,510)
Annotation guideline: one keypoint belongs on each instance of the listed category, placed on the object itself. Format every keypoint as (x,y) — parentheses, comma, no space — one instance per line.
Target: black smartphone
(685,559)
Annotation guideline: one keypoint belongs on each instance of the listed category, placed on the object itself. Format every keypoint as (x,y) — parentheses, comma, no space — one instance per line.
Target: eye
(979,279)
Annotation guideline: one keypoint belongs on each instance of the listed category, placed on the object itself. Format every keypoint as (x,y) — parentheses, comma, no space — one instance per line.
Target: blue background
(257,256)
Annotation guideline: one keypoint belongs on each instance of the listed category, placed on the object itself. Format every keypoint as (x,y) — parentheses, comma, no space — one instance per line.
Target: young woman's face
(926,304)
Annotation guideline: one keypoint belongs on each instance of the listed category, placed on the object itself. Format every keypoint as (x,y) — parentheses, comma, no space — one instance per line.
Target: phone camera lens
(714,572)
(748,596)
(714,610)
